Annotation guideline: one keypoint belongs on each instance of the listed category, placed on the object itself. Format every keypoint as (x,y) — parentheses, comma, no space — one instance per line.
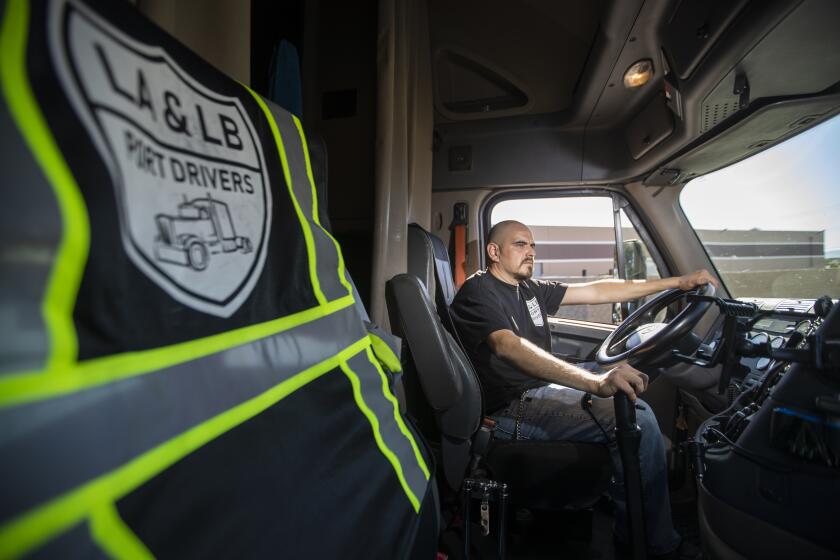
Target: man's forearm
(617,291)
(533,360)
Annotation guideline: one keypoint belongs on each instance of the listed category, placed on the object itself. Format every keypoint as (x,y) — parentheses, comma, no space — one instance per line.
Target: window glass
(575,239)
(769,223)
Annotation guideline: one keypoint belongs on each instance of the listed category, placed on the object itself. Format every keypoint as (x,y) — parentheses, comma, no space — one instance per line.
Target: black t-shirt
(485,304)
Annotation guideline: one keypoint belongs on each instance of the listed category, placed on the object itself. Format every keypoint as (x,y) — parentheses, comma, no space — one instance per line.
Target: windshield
(769,223)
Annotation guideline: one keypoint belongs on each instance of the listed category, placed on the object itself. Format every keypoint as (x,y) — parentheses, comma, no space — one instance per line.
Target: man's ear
(493,252)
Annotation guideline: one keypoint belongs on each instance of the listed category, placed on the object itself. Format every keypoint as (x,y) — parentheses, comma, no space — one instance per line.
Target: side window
(575,237)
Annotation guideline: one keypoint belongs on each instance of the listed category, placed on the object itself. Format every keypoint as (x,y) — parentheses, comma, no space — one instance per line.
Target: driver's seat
(444,394)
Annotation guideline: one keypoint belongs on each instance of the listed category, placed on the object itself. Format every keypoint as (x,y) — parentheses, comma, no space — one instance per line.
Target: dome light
(638,74)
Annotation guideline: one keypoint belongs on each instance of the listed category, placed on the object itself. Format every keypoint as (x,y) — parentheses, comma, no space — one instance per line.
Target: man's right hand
(622,378)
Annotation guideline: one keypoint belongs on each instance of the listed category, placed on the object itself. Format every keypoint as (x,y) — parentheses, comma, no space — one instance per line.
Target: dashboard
(768,465)
(779,324)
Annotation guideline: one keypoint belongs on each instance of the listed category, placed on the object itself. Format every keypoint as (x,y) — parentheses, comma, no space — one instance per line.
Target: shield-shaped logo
(186,164)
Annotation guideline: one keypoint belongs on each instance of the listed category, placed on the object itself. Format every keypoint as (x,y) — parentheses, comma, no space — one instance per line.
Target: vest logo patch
(189,173)
(534,310)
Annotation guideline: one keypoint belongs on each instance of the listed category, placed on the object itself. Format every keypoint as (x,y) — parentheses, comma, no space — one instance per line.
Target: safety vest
(184,367)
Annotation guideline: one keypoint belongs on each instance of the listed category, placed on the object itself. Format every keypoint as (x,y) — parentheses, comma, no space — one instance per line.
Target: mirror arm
(619,248)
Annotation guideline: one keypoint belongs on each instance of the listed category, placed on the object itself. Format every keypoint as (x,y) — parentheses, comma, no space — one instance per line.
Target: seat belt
(459,243)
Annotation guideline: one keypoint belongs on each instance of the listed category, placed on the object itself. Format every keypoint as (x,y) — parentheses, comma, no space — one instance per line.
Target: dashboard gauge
(760,338)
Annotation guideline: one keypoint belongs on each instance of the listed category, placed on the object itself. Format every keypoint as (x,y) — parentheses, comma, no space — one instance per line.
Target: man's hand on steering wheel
(698,278)
(624,378)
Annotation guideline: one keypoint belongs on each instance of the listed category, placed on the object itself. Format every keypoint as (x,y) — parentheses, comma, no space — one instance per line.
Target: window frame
(625,203)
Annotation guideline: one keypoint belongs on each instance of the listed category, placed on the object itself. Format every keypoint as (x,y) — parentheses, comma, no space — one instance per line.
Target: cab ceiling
(539,47)
(579,125)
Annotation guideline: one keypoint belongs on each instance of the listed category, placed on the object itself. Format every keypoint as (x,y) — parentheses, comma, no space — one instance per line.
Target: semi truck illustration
(201,227)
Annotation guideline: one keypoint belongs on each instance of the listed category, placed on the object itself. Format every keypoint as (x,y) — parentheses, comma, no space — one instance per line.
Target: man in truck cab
(501,317)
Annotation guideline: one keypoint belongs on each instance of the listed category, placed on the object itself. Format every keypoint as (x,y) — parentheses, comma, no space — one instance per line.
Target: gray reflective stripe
(327,255)
(373,394)
(78,540)
(30,232)
(51,440)
(360,307)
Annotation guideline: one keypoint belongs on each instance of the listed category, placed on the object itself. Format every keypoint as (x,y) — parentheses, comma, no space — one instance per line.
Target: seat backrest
(449,385)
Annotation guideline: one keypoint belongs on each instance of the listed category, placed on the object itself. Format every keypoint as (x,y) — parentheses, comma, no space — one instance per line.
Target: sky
(792,186)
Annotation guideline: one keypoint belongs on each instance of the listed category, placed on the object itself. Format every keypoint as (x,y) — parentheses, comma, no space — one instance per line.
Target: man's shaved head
(500,231)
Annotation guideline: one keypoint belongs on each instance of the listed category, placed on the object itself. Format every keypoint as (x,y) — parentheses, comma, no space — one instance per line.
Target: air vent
(795,305)
(716,113)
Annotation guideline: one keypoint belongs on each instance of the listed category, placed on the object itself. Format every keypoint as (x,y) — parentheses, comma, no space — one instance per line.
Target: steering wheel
(637,342)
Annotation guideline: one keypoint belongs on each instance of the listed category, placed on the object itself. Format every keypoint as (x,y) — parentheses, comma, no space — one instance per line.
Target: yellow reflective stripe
(377,436)
(304,222)
(24,533)
(385,354)
(113,535)
(315,216)
(386,390)
(66,273)
(27,387)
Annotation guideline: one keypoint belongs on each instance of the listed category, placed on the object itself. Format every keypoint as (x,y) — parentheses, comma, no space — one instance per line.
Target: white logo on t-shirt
(534,310)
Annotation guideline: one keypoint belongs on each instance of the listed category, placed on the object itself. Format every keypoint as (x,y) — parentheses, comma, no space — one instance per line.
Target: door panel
(576,341)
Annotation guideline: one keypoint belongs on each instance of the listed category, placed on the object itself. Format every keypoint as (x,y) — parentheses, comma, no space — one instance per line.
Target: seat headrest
(421,258)
(428,260)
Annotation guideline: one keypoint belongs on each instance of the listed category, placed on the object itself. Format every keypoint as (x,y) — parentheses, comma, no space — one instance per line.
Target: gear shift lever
(629,435)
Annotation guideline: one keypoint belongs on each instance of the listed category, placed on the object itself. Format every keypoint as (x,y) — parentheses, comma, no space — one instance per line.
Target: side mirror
(635,267)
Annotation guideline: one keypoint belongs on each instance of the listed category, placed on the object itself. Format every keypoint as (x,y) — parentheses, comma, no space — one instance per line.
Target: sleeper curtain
(404,129)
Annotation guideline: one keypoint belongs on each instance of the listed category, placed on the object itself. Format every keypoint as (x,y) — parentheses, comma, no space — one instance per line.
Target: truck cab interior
(638,139)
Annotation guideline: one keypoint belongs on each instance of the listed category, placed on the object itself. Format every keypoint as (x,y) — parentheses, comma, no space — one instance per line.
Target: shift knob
(625,411)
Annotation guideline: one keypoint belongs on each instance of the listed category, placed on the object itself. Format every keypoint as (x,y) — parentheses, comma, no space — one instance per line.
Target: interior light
(638,74)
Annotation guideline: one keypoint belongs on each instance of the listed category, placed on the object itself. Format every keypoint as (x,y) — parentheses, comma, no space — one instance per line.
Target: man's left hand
(695,279)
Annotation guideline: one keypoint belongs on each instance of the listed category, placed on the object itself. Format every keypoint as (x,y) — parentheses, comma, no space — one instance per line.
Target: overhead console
(765,126)
(783,84)
(692,30)
(688,34)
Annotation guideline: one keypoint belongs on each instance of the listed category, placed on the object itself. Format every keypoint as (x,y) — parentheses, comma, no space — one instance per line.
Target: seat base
(551,474)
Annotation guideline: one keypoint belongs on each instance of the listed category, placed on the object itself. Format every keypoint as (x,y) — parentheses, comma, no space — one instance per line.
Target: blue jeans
(554,412)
